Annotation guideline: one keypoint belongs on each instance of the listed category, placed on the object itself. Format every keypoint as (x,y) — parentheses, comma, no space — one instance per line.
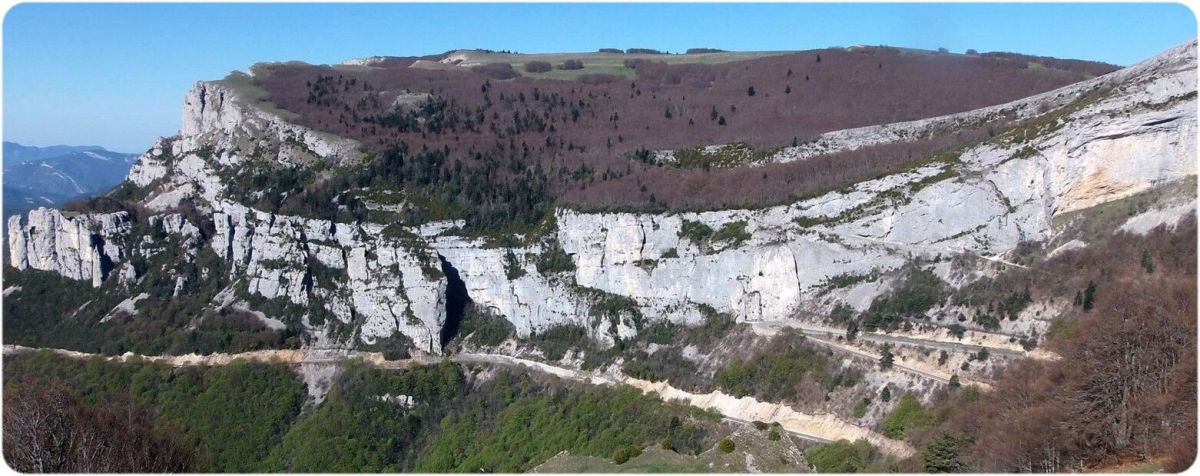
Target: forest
(247,417)
(442,135)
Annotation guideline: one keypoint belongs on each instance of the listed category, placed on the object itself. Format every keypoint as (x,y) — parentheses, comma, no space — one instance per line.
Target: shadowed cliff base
(456,301)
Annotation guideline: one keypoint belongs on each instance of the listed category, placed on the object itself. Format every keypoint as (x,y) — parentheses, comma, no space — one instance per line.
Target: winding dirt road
(818,427)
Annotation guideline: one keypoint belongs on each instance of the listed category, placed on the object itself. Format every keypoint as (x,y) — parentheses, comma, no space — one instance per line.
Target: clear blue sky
(114,75)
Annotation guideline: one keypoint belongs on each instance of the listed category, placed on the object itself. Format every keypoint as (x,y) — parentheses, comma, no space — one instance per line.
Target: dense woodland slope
(449,134)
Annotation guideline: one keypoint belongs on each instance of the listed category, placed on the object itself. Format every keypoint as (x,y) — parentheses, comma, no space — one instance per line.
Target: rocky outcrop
(216,116)
(350,271)
(532,302)
(77,247)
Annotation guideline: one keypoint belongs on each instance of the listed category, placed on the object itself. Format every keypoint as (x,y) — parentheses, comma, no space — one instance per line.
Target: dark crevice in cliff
(456,301)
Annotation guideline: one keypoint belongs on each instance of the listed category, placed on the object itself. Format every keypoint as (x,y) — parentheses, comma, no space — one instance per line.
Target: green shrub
(393,347)
(554,260)
(695,231)
(841,314)
(537,67)
(726,445)
(906,418)
(860,408)
(512,268)
(485,328)
(776,372)
(611,306)
(555,341)
(716,325)
(957,330)
(841,456)
(625,453)
(920,291)
(733,234)
(665,364)
(662,332)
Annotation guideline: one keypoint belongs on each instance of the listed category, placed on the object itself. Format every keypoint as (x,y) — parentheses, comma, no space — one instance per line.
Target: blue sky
(114,75)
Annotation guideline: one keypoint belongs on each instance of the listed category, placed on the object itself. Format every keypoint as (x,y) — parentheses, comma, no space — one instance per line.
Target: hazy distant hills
(50,176)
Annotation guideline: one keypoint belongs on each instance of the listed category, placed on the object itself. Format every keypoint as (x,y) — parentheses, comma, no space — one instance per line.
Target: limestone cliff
(1086,144)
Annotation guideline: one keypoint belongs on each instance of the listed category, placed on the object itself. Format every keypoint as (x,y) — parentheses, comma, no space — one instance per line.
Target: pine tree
(941,454)
(1089,296)
(886,358)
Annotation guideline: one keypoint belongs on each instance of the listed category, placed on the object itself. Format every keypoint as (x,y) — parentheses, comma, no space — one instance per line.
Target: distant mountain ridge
(50,176)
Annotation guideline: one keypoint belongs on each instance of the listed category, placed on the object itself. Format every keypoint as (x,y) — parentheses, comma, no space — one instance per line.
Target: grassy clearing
(593,63)
(244,85)
(729,155)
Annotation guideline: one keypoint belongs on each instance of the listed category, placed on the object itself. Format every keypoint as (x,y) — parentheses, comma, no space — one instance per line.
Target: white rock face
(764,278)
(1169,216)
(148,167)
(532,302)
(1139,135)
(215,115)
(381,281)
(75,247)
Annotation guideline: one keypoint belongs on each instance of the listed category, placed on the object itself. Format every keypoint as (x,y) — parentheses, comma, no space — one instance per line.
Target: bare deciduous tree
(47,430)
